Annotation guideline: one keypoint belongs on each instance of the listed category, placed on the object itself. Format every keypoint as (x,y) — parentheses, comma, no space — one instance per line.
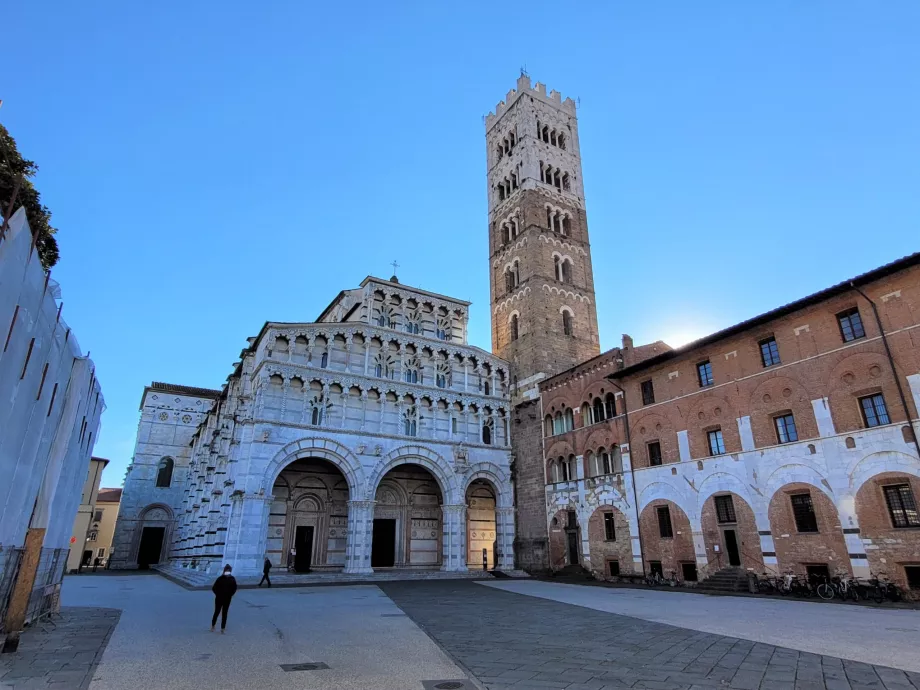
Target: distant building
(373,438)
(49,422)
(105,517)
(786,442)
(86,526)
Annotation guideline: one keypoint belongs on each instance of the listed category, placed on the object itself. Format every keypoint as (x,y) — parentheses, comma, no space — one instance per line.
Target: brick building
(787,441)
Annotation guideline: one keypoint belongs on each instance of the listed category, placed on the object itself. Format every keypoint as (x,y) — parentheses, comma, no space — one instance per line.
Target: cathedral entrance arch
(407,519)
(153,535)
(308,520)
(481,524)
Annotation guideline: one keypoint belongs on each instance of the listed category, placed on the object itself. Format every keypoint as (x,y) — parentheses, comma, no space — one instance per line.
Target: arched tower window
(514,327)
(598,410)
(412,374)
(164,473)
(487,432)
(567,327)
(548,426)
(610,406)
(324,360)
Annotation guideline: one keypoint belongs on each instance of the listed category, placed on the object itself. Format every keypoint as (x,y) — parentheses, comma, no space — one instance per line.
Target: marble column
(360,537)
(453,541)
(504,532)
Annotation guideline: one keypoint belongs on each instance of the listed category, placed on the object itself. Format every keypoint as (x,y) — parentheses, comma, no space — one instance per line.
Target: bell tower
(544,318)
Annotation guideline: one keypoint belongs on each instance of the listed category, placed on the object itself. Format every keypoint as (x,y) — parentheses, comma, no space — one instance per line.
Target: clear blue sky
(215,165)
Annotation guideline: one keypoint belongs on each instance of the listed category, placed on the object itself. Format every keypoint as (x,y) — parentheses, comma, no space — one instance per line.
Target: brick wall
(746,536)
(603,550)
(671,552)
(888,548)
(530,546)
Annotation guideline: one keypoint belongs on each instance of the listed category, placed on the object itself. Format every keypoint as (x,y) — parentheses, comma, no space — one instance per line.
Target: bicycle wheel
(825,591)
(852,593)
(878,594)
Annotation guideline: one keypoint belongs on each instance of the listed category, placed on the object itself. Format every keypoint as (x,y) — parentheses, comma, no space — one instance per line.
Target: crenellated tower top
(536,91)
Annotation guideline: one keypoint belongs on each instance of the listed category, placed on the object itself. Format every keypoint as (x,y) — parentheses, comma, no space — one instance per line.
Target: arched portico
(153,536)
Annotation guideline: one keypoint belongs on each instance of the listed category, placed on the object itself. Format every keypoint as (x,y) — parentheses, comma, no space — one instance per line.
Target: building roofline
(815,298)
(161,387)
(374,279)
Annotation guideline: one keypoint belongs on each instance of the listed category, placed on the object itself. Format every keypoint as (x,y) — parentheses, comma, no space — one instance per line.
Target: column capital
(453,508)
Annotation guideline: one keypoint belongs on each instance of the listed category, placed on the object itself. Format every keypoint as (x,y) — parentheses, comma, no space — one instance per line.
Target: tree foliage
(12,166)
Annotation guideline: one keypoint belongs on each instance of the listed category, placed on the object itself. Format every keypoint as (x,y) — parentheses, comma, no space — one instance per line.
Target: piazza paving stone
(510,640)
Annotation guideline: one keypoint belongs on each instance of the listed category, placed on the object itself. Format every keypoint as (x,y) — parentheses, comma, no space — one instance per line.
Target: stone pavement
(60,652)
(514,641)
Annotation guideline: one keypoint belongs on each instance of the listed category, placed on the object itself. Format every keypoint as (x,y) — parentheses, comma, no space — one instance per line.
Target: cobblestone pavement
(60,652)
(513,641)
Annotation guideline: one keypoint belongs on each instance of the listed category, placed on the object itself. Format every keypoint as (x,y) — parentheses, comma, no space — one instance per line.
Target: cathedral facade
(375,437)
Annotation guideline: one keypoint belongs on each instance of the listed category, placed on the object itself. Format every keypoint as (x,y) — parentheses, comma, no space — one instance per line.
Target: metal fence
(9,566)
(46,592)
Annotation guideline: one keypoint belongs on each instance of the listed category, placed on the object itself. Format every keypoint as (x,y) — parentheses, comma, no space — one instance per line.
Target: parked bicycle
(842,586)
(881,589)
(656,579)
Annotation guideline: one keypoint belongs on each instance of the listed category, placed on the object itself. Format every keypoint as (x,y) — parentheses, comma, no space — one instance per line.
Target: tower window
(648,392)
(851,326)
(567,328)
(785,428)
(514,327)
(716,442)
(664,522)
(874,411)
(704,372)
(804,513)
(654,453)
(610,530)
(769,353)
(902,508)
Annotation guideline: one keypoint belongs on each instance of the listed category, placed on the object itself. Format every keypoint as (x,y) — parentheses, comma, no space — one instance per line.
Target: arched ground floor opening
(308,520)
(806,530)
(481,501)
(564,539)
(610,542)
(667,541)
(730,533)
(889,523)
(406,529)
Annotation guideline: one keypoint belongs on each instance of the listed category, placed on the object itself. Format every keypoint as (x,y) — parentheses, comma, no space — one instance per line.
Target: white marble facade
(379,410)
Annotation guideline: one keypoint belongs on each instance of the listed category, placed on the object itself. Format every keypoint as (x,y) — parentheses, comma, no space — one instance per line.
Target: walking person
(292,555)
(266,567)
(224,588)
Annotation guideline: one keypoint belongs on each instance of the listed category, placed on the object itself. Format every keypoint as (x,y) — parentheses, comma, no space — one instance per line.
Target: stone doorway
(409,496)
(148,553)
(480,525)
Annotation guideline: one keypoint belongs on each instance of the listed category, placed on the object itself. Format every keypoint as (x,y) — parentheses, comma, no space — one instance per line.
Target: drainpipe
(632,471)
(894,372)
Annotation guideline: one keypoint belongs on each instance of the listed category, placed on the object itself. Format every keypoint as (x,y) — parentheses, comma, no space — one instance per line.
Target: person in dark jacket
(224,588)
(266,567)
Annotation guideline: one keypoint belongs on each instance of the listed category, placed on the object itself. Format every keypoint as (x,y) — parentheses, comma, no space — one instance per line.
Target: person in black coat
(224,588)
(266,567)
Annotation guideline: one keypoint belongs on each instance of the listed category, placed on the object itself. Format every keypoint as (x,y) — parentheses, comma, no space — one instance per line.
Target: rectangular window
(912,573)
(851,326)
(648,392)
(664,522)
(9,333)
(655,567)
(688,570)
(785,428)
(41,385)
(818,573)
(613,567)
(769,353)
(725,509)
(98,516)
(453,425)
(704,373)
(804,513)
(874,411)
(101,553)
(610,530)
(654,453)
(572,518)
(901,506)
(716,442)
(25,365)
(51,404)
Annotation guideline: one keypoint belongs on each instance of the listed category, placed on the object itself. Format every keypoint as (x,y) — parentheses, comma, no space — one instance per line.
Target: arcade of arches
(308,521)
(800,527)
